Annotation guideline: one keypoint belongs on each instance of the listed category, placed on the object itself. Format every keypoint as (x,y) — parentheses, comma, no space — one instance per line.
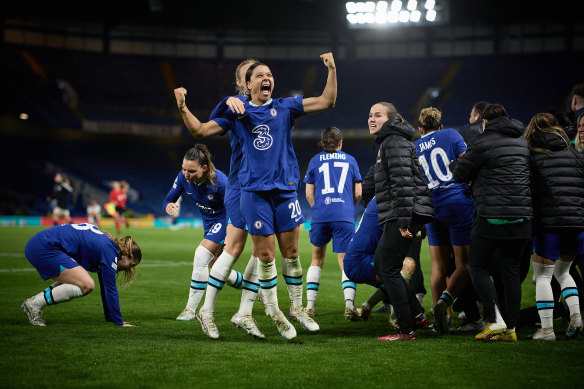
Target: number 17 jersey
(334,176)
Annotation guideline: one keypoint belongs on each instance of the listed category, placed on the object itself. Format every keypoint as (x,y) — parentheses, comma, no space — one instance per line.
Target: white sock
(199,277)
(268,278)
(376,297)
(312,284)
(251,287)
(292,272)
(219,273)
(500,323)
(420,297)
(56,294)
(567,285)
(544,295)
(349,290)
(235,279)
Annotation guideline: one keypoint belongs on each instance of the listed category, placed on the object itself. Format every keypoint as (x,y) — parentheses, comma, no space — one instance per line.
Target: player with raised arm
(66,254)
(206,186)
(269,178)
(333,187)
(236,234)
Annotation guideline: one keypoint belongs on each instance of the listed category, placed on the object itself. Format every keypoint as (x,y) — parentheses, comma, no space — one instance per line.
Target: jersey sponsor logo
(328,200)
(205,209)
(263,140)
(115,264)
(258,225)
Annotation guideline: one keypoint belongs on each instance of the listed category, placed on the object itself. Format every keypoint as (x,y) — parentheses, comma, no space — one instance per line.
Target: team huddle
(486,208)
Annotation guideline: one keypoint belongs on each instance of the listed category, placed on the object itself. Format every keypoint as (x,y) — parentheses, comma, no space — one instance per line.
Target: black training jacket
(557,182)
(400,188)
(497,165)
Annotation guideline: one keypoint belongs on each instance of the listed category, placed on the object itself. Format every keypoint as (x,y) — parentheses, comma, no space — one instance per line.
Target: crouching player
(66,253)
(359,264)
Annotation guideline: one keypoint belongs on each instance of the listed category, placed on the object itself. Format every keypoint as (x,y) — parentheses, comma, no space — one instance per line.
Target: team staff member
(497,164)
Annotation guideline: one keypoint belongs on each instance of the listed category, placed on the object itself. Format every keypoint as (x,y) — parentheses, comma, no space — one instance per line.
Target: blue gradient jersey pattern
(435,152)
(209,198)
(95,252)
(265,136)
(334,176)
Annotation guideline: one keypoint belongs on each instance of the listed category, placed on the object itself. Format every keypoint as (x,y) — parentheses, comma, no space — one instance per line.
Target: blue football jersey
(95,252)
(220,110)
(265,135)
(364,241)
(208,198)
(435,152)
(333,176)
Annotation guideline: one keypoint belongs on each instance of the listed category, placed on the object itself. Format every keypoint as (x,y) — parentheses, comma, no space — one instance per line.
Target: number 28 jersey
(334,176)
(265,136)
(435,151)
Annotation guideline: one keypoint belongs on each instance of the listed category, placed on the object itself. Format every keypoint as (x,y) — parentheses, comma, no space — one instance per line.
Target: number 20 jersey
(435,151)
(265,136)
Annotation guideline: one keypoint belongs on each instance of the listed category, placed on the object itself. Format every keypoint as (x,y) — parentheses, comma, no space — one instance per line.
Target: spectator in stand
(474,126)
(118,197)
(62,192)
(497,163)
(94,212)
(579,142)
(558,193)
(577,101)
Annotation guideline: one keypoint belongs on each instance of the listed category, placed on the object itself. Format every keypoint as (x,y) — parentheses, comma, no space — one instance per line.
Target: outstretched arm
(329,95)
(194,125)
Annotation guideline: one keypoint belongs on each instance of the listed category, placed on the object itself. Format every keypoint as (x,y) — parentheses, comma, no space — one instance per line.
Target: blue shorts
(340,232)
(452,225)
(360,270)
(270,212)
(550,245)
(580,250)
(232,204)
(215,229)
(49,261)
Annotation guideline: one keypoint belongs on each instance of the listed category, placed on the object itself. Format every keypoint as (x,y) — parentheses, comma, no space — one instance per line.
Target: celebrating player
(206,186)
(333,187)
(66,253)
(453,208)
(269,178)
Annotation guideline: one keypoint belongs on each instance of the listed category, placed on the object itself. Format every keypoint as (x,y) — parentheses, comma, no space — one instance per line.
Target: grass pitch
(79,349)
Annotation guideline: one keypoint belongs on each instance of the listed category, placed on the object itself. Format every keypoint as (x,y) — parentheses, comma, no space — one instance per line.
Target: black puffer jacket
(400,188)
(497,163)
(557,182)
(368,187)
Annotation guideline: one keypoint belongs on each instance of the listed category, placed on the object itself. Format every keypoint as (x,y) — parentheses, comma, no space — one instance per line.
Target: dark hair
(493,111)
(201,154)
(479,107)
(578,90)
(330,138)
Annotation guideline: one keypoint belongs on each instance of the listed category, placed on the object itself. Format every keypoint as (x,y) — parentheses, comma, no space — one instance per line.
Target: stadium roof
(281,15)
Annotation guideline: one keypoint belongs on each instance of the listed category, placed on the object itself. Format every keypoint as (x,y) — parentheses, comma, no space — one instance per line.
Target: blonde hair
(430,119)
(242,90)
(129,248)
